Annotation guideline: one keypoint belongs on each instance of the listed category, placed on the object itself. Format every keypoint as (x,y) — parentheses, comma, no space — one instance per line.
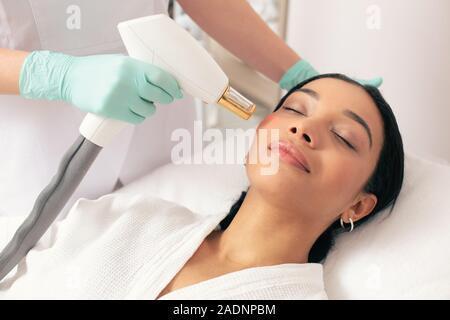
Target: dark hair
(385,181)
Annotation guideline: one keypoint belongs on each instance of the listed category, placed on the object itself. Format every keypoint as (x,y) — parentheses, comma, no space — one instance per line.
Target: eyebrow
(352,115)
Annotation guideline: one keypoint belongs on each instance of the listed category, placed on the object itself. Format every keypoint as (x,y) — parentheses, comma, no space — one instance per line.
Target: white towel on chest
(130,247)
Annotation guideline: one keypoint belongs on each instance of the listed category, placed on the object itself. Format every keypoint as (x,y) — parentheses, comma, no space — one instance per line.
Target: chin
(282,171)
(285,180)
(281,179)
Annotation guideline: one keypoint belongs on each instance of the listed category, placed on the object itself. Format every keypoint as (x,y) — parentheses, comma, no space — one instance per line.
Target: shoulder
(127,211)
(114,217)
(118,205)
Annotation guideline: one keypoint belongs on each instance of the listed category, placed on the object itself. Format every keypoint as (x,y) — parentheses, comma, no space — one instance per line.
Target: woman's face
(315,121)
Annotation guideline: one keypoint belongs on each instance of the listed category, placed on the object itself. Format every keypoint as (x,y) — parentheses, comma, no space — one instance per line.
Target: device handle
(100,130)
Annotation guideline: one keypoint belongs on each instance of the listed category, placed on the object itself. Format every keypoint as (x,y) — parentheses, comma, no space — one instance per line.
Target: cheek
(342,178)
(268,121)
(263,137)
(269,128)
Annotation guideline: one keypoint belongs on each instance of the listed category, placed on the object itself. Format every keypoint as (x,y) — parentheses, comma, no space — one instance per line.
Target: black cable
(73,167)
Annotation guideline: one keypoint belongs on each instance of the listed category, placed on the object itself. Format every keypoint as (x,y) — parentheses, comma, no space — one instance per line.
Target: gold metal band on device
(232,105)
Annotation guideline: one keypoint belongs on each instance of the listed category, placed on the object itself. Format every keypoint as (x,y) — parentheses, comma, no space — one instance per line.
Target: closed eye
(292,109)
(345,141)
(338,136)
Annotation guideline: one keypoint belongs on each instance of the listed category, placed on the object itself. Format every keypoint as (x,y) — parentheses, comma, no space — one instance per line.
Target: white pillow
(404,256)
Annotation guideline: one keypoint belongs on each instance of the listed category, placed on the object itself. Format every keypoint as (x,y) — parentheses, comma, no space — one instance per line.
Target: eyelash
(338,136)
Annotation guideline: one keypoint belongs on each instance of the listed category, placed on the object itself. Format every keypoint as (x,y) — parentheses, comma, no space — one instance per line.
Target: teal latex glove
(112,86)
(302,70)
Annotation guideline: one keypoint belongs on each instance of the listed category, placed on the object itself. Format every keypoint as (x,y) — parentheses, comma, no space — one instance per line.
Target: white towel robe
(130,247)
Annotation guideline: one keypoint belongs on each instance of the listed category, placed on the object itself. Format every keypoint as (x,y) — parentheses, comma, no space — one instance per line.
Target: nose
(303,135)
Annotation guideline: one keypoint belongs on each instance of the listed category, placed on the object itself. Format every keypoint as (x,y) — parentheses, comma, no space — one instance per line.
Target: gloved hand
(302,70)
(112,86)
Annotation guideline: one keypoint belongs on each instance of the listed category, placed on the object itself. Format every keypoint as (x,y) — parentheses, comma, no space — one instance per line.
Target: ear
(360,209)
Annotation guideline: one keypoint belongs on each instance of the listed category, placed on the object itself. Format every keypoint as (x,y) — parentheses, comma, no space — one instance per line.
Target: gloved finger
(152,93)
(134,118)
(297,73)
(142,108)
(375,82)
(164,81)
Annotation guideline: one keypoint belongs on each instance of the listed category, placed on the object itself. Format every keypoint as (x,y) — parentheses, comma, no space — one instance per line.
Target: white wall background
(410,50)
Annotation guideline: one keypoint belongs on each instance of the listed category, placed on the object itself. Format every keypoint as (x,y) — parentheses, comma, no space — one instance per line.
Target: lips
(286,148)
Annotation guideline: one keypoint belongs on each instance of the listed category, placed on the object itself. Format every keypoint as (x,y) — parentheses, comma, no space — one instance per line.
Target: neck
(263,234)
